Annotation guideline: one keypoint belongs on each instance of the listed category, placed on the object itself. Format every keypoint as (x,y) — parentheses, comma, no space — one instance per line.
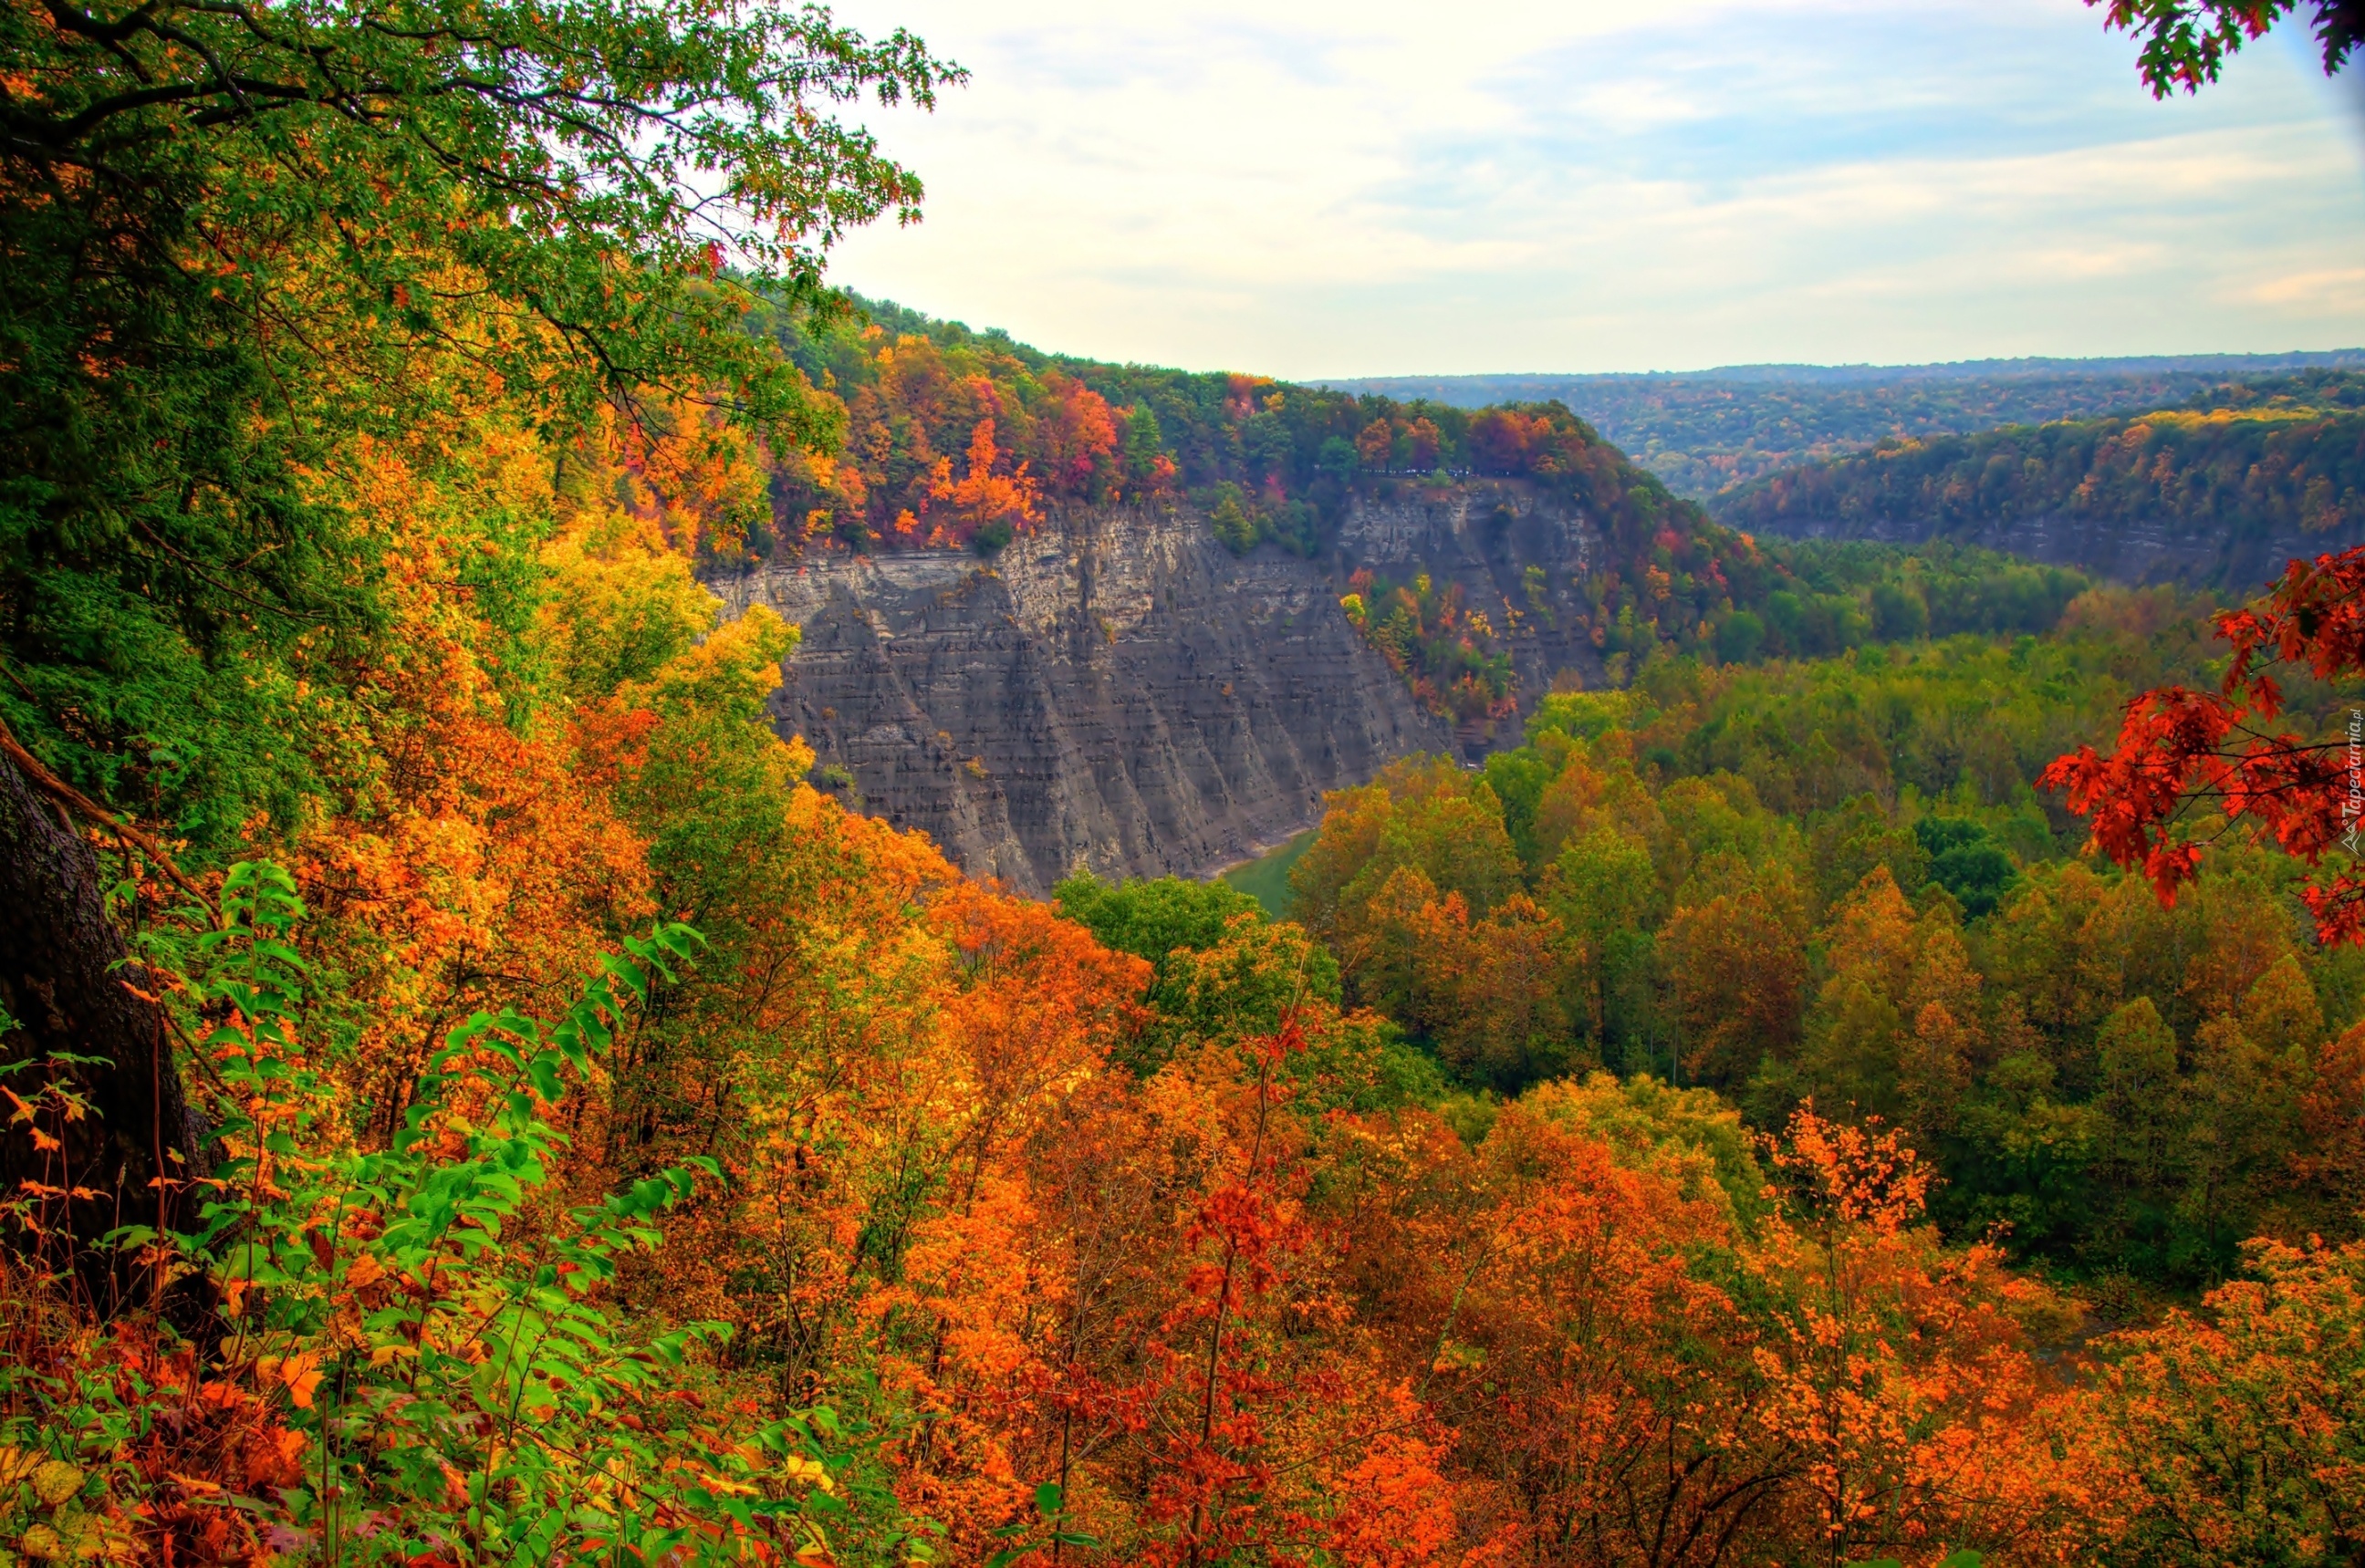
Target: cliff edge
(1117,690)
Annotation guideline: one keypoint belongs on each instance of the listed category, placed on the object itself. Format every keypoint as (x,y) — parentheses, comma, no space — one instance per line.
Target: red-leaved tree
(2184,756)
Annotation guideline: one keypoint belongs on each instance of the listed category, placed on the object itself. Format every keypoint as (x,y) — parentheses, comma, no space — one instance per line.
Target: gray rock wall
(1485,536)
(1116,691)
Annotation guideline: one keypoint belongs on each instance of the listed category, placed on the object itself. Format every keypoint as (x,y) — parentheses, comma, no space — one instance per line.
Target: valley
(1162,614)
(654,914)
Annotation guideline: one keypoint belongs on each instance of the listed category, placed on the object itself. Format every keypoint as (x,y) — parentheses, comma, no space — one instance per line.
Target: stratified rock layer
(1116,691)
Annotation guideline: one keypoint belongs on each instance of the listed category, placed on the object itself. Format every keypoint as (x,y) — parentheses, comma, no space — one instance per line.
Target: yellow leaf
(802,1469)
(55,1482)
(734,1489)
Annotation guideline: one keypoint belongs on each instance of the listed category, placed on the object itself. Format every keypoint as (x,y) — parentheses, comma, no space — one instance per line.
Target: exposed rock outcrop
(1117,690)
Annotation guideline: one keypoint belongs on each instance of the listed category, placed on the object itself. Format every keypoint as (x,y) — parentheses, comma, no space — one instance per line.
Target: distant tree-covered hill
(1713,430)
(2218,489)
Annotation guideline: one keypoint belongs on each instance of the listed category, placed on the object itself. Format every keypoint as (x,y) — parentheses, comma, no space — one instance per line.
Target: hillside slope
(2219,492)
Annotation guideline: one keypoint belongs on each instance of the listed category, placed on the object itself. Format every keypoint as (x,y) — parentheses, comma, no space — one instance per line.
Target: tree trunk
(59,980)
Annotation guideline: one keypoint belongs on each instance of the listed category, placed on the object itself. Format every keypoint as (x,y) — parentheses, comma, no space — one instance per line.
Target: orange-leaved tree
(982,497)
(2236,1434)
(1893,1366)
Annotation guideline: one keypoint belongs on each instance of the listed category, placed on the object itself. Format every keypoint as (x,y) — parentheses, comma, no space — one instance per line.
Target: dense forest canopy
(471,1100)
(1764,880)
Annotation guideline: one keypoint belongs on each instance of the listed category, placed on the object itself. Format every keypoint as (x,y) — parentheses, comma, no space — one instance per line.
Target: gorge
(1117,690)
(1064,614)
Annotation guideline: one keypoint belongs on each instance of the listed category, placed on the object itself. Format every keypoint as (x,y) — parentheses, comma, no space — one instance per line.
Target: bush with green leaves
(423,1340)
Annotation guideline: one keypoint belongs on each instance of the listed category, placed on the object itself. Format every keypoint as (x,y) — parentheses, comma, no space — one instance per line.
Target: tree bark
(60,981)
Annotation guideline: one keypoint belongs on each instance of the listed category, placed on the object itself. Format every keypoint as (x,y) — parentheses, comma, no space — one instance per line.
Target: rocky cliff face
(1116,691)
(1488,537)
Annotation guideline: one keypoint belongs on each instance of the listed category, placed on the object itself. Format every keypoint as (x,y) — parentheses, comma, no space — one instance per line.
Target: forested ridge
(955,437)
(1705,432)
(2273,457)
(470,1100)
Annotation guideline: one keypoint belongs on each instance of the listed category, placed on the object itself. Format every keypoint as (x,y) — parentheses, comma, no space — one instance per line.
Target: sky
(1312,188)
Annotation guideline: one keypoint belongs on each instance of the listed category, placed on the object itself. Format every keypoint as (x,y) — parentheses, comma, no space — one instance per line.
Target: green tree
(2019,1157)
(1233,526)
(1221,970)
(241,243)
(2143,1105)
(1899,612)
(1740,637)
(1143,444)
(237,238)
(1966,860)
(1152,916)
(1600,889)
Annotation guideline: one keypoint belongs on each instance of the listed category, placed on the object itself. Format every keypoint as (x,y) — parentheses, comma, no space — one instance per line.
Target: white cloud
(1346,188)
(2340,290)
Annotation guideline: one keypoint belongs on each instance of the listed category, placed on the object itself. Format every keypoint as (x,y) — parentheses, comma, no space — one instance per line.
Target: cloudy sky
(1364,187)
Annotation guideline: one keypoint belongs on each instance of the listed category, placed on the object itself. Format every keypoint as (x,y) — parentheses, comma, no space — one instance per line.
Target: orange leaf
(302,1375)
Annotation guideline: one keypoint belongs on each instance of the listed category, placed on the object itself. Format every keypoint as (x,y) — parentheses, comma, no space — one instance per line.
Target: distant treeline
(1705,432)
(2283,455)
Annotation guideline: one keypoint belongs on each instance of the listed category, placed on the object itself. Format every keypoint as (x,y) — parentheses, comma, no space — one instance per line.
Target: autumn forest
(1872,1074)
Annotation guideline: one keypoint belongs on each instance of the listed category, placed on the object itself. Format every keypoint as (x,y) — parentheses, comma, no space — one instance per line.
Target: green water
(1266,878)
